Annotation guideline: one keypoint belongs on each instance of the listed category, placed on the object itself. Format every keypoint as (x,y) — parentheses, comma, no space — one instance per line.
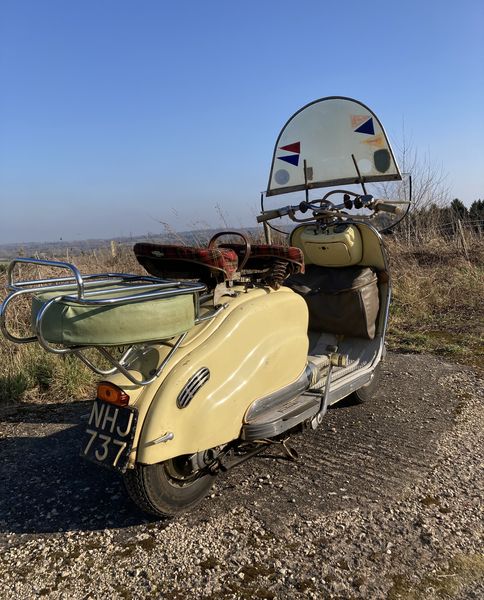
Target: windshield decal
(367,127)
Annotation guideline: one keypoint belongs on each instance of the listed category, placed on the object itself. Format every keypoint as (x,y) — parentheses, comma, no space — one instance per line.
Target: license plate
(108,438)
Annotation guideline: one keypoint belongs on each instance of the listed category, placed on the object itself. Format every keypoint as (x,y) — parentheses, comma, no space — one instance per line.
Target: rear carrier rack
(72,313)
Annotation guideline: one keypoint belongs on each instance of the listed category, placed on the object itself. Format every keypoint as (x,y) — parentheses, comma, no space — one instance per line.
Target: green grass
(461,573)
(463,348)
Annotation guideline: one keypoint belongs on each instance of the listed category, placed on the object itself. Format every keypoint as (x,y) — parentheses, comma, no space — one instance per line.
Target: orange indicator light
(112,393)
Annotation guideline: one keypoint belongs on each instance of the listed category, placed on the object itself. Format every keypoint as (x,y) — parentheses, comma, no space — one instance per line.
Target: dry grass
(27,372)
(438,298)
(437,307)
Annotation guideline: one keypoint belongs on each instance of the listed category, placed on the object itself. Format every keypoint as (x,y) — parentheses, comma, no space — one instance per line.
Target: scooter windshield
(330,142)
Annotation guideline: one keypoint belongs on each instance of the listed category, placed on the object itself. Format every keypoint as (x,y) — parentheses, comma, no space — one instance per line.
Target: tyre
(367,392)
(169,488)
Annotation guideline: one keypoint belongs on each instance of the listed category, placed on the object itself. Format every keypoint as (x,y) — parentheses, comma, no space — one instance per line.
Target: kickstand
(230,463)
(289,451)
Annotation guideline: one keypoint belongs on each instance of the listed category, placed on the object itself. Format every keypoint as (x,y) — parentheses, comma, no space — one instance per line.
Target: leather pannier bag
(343,301)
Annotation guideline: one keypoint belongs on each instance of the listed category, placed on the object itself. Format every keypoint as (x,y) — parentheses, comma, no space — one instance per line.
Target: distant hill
(77,247)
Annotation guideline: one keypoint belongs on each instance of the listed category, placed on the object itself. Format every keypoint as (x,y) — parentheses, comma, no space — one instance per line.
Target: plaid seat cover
(218,259)
(264,255)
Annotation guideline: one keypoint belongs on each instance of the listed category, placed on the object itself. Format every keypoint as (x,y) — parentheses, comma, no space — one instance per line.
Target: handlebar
(274,214)
(325,207)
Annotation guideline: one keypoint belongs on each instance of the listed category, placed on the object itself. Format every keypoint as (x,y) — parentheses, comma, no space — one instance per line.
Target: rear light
(112,393)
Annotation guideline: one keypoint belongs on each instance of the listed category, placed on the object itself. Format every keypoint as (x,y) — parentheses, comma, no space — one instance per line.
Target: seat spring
(277,274)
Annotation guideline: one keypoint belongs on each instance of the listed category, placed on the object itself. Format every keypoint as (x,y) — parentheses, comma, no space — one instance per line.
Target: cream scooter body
(251,349)
(257,345)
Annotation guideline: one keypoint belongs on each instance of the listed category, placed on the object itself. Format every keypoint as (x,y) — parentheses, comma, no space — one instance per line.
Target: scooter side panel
(260,347)
(142,396)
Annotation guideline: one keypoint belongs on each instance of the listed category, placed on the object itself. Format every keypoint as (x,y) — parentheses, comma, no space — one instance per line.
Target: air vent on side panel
(191,388)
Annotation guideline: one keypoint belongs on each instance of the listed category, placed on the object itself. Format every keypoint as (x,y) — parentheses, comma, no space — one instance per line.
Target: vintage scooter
(222,350)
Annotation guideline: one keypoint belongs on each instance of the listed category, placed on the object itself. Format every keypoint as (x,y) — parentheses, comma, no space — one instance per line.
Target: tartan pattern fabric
(220,259)
(264,255)
(187,262)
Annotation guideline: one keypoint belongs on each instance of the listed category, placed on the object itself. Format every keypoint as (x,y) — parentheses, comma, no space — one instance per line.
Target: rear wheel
(367,392)
(169,488)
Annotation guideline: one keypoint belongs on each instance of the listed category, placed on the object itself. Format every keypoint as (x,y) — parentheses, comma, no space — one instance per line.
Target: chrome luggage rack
(77,288)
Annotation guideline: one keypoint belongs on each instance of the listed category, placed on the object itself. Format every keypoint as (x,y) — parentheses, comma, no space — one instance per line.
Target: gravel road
(385,501)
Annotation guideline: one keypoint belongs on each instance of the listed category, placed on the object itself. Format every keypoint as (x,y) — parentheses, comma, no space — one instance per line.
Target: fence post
(463,238)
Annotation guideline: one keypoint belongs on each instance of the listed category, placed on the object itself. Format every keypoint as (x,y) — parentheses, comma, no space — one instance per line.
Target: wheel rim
(180,473)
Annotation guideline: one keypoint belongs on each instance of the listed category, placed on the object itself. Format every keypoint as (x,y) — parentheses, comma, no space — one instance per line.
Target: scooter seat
(264,256)
(187,262)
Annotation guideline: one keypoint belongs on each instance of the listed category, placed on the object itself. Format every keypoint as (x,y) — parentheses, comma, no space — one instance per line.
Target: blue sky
(117,115)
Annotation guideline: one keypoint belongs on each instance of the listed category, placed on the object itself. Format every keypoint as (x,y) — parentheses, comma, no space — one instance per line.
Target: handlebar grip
(390,208)
(268,215)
